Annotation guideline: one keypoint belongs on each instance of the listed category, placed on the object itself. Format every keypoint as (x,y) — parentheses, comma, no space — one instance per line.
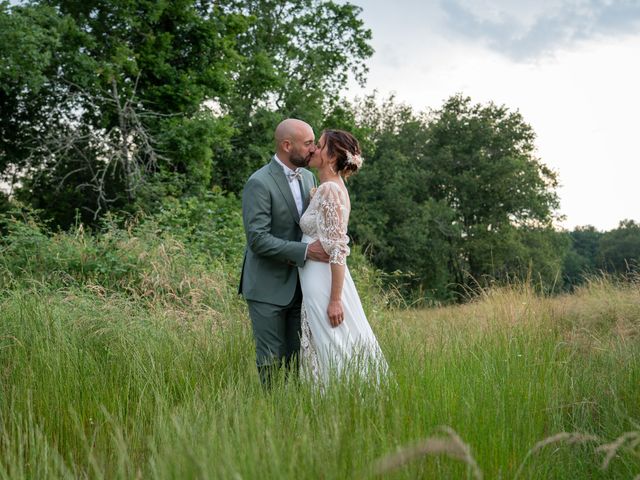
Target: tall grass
(151,375)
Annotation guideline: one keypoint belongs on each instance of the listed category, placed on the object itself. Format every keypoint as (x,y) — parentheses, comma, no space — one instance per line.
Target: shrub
(210,224)
(189,253)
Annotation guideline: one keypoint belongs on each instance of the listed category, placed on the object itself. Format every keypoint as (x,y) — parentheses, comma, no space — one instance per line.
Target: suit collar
(285,169)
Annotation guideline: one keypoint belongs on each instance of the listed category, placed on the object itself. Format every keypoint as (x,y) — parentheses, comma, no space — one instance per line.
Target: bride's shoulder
(332,192)
(330,187)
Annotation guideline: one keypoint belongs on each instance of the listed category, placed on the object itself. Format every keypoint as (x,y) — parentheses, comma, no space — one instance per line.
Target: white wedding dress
(351,347)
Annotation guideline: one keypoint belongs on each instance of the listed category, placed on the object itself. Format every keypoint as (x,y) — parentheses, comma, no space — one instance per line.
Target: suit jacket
(271,223)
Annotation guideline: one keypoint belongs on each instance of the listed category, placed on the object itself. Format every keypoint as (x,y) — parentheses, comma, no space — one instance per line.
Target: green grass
(98,383)
(128,354)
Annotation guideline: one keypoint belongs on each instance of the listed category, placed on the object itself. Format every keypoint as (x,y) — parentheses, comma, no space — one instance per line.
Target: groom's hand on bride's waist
(316,252)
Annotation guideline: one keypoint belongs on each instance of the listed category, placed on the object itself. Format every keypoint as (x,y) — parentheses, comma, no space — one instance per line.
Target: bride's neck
(326,175)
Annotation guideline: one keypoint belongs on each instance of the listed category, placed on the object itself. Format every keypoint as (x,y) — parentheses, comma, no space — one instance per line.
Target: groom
(273,201)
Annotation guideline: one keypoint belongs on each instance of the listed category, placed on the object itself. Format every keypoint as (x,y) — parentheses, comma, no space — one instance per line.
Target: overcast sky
(571,67)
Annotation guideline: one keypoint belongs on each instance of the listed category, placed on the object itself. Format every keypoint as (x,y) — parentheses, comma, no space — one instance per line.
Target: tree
(455,196)
(297,56)
(620,248)
(105,98)
(402,228)
(480,160)
(583,257)
(34,44)
(114,77)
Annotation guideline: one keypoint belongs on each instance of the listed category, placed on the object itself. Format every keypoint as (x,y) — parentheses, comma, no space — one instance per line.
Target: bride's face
(320,157)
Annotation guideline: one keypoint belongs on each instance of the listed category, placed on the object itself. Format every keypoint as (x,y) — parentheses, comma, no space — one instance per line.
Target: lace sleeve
(332,225)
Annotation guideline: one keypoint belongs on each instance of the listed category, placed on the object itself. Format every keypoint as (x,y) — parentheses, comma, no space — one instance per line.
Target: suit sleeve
(256,216)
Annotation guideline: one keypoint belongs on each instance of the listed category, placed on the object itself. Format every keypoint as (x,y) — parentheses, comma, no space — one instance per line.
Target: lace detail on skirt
(308,355)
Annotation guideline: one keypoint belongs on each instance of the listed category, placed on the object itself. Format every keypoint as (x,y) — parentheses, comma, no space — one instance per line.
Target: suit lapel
(306,188)
(275,170)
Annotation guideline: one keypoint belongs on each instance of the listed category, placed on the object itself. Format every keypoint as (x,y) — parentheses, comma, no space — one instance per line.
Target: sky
(570,67)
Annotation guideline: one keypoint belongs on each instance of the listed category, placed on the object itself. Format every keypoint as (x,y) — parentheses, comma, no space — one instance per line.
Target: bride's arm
(335,312)
(333,236)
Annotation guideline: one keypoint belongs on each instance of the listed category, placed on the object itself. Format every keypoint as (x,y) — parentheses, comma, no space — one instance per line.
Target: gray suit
(269,279)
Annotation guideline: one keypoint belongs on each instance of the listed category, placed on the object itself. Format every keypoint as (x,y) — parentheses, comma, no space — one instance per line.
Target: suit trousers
(276,331)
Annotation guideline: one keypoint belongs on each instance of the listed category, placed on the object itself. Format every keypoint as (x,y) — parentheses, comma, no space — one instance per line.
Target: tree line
(110,105)
(455,198)
(132,105)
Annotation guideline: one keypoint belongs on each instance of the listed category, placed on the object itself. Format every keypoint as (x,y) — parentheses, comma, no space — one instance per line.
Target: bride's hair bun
(346,149)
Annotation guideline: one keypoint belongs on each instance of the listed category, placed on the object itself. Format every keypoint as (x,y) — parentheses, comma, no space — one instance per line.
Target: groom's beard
(299,160)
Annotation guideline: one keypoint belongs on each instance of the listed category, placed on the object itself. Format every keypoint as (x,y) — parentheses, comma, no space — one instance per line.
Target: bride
(336,336)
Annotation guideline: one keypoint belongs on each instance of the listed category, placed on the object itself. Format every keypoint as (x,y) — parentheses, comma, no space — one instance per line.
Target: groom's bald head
(295,142)
(290,129)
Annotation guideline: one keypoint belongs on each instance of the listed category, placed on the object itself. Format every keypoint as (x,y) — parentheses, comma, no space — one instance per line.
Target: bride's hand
(336,314)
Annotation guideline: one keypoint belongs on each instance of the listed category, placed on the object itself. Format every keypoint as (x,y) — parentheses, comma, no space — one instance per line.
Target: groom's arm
(256,216)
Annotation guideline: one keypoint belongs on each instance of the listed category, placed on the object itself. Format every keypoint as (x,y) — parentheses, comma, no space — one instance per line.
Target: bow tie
(294,175)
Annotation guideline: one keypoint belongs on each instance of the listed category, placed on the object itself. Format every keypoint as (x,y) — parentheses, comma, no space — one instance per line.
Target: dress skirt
(351,347)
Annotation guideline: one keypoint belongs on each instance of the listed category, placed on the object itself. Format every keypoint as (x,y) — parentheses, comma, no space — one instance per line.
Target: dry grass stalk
(631,439)
(97,290)
(452,446)
(564,437)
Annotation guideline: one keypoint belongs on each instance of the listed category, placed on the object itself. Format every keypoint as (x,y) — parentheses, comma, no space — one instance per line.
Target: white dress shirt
(293,185)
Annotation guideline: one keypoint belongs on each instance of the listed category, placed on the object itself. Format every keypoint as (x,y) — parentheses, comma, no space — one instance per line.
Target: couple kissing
(303,304)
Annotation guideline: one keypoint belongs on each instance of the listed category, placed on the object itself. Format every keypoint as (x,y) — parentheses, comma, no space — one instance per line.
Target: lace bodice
(327,218)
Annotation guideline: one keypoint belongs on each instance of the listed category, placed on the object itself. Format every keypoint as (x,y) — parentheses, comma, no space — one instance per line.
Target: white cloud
(524,13)
(526,29)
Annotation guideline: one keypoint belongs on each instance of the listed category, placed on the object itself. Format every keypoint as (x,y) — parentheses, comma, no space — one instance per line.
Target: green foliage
(22,50)
(585,242)
(101,97)
(454,198)
(481,160)
(616,251)
(152,256)
(296,59)
(121,86)
(401,228)
(582,259)
(620,248)
(38,47)
(5,204)
(189,251)
(137,105)
(210,224)
(30,252)
(190,146)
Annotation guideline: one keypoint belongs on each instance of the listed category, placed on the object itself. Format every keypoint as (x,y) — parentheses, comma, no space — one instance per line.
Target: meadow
(130,356)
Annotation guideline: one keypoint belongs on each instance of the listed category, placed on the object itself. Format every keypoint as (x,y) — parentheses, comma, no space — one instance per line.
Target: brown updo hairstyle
(338,143)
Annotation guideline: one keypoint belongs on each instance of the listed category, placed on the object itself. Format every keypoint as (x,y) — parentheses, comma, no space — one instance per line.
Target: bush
(209,224)
(188,254)
(138,258)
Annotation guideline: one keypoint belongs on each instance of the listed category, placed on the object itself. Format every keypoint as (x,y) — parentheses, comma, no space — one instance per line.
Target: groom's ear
(286,145)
